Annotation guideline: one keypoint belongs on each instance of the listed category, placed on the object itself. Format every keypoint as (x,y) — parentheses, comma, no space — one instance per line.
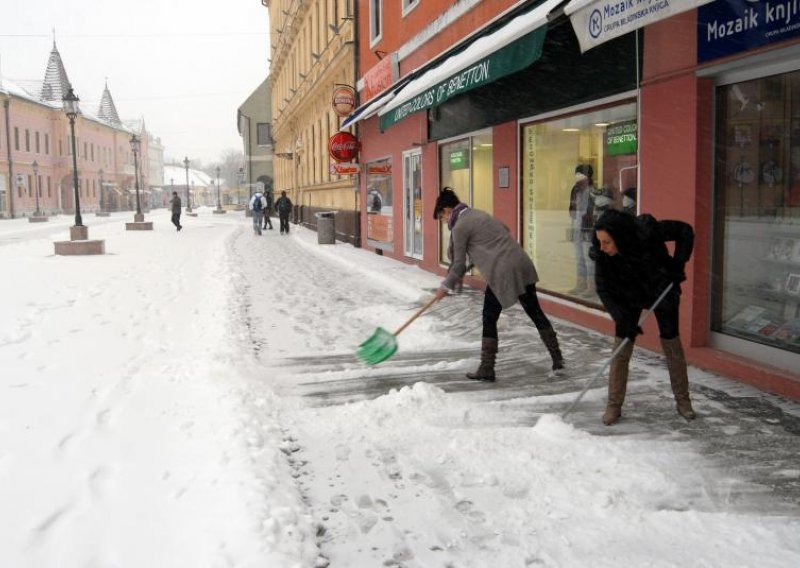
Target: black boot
(550,340)
(485,371)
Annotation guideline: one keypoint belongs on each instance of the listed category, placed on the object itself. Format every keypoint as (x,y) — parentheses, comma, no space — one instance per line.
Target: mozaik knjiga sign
(621,138)
(505,61)
(726,27)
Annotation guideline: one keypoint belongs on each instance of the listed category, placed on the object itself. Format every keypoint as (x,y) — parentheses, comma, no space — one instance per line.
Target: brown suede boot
(617,382)
(550,340)
(678,377)
(485,371)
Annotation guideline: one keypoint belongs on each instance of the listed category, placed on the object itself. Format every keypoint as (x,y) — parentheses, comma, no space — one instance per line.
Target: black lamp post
(136,145)
(239,188)
(72,110)
(102,199)
(219,204)
(186,166)
(35,166)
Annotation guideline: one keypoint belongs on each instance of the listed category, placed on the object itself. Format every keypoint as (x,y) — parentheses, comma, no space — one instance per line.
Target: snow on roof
(176,175)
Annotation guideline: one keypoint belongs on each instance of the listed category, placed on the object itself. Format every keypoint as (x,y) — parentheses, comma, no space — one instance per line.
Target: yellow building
(312,53)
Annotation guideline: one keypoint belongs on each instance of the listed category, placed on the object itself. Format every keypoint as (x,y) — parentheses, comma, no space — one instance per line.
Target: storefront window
(757,242)
(466,166)
(573,169)
(380,231)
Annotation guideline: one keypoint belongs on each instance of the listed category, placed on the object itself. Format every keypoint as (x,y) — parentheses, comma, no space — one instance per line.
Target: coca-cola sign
(343,147)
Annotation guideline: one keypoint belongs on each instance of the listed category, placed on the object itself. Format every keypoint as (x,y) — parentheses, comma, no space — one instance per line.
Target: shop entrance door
(412,204)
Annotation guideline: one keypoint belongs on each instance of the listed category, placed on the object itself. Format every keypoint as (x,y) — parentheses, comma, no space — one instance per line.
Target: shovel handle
(416,315)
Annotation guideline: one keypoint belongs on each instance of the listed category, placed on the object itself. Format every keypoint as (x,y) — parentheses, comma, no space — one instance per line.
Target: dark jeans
(530,303)
(284,218)
(176,219)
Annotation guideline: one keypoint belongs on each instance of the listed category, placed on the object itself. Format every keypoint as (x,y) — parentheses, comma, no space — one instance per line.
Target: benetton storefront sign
(726,27)
(509,59)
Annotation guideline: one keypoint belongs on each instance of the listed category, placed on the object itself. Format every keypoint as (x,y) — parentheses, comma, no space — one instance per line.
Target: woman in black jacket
(633,267)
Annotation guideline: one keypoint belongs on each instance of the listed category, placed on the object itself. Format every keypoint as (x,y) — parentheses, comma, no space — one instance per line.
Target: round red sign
(343,147)
(344,100)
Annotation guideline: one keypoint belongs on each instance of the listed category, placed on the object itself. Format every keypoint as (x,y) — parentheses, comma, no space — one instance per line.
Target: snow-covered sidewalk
(193,399)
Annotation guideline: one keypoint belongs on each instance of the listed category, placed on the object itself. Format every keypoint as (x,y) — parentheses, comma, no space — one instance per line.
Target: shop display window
(380,223)
(558,208)
(756,295)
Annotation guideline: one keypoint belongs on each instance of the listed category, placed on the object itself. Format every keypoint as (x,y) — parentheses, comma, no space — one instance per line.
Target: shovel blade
(378,348)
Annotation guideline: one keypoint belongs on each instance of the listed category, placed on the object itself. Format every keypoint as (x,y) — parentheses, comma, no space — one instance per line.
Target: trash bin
(326,227)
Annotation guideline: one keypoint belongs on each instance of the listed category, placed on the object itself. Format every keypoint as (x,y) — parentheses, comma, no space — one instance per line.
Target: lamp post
(136,145)
(72,110)
(240,179)
(186,166)
(219,204)
(102,200)
(35,166)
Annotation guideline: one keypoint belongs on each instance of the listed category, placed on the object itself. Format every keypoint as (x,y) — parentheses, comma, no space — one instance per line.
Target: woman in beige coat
(509,273)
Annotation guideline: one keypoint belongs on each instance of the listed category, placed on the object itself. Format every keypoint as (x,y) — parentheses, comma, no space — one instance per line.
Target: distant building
(254,122)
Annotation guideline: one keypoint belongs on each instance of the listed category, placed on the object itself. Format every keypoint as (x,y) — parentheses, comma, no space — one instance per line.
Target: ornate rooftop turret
(56,83)
(108,111)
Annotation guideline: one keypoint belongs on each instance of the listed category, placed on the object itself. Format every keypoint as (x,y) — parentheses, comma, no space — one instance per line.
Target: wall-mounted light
(316,56)
(334,28)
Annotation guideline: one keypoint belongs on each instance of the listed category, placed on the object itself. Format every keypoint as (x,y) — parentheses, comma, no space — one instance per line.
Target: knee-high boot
(678,377)
(550,340)
(617,382)
(485,371)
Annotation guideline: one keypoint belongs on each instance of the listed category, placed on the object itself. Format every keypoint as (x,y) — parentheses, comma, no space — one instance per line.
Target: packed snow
(179,402)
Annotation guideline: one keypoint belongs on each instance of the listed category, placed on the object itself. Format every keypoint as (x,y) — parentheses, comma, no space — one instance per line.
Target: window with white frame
(375,20)
(409,5)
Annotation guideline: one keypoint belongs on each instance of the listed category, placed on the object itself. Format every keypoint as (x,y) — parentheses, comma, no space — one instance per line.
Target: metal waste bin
(326,227)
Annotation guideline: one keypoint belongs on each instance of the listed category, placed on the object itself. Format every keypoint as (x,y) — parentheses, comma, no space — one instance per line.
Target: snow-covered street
(193,400)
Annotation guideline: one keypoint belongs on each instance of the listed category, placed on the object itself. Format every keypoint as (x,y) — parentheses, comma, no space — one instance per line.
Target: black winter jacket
(634,278)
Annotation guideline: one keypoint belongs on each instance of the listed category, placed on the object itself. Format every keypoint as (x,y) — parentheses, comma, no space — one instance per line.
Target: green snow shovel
(381,345)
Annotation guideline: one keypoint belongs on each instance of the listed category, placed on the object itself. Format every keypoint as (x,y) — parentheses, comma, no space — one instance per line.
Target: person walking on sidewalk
(284,208)
(175,203)
(268,209)
(509,273)
(632,268)
(257,205)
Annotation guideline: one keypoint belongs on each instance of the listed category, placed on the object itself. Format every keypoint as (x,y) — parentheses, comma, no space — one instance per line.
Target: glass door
(412,204)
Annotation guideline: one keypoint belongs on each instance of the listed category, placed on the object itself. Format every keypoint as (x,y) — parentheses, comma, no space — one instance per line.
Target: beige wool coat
(503,263)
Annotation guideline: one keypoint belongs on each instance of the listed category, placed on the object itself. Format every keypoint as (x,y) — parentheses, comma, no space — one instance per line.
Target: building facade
(254,122)
(312,53)
(504,101)
(35,135)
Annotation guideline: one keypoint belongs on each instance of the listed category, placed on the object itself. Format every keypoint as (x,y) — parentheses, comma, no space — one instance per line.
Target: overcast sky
(185,66)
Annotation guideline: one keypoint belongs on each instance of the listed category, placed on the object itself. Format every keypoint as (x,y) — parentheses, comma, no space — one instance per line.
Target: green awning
(510,49)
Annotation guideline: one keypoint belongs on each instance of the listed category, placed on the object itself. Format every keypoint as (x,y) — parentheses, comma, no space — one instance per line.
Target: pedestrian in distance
(257,205)
(632,268)
(175,203)
(508,270)
(268,209)
(284,207)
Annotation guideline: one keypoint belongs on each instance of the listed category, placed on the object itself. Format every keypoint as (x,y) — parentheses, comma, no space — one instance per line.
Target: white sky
(156,411)
(185,66)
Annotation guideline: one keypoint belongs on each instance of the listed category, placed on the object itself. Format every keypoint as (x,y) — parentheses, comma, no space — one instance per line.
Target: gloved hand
(675,271)
(628,329)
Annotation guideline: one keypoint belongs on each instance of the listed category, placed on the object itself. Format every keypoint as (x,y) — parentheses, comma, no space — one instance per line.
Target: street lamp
(72,110)
(102,201)
(219,205)
(35,166)
(239,188)
(186,165)
(136,145)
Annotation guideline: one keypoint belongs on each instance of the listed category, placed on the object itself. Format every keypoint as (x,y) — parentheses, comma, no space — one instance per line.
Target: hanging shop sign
(381,76)
(344,168)
(726,27)
(621,138)
(597,21)
(343,147)
(343,100)
(459,159)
